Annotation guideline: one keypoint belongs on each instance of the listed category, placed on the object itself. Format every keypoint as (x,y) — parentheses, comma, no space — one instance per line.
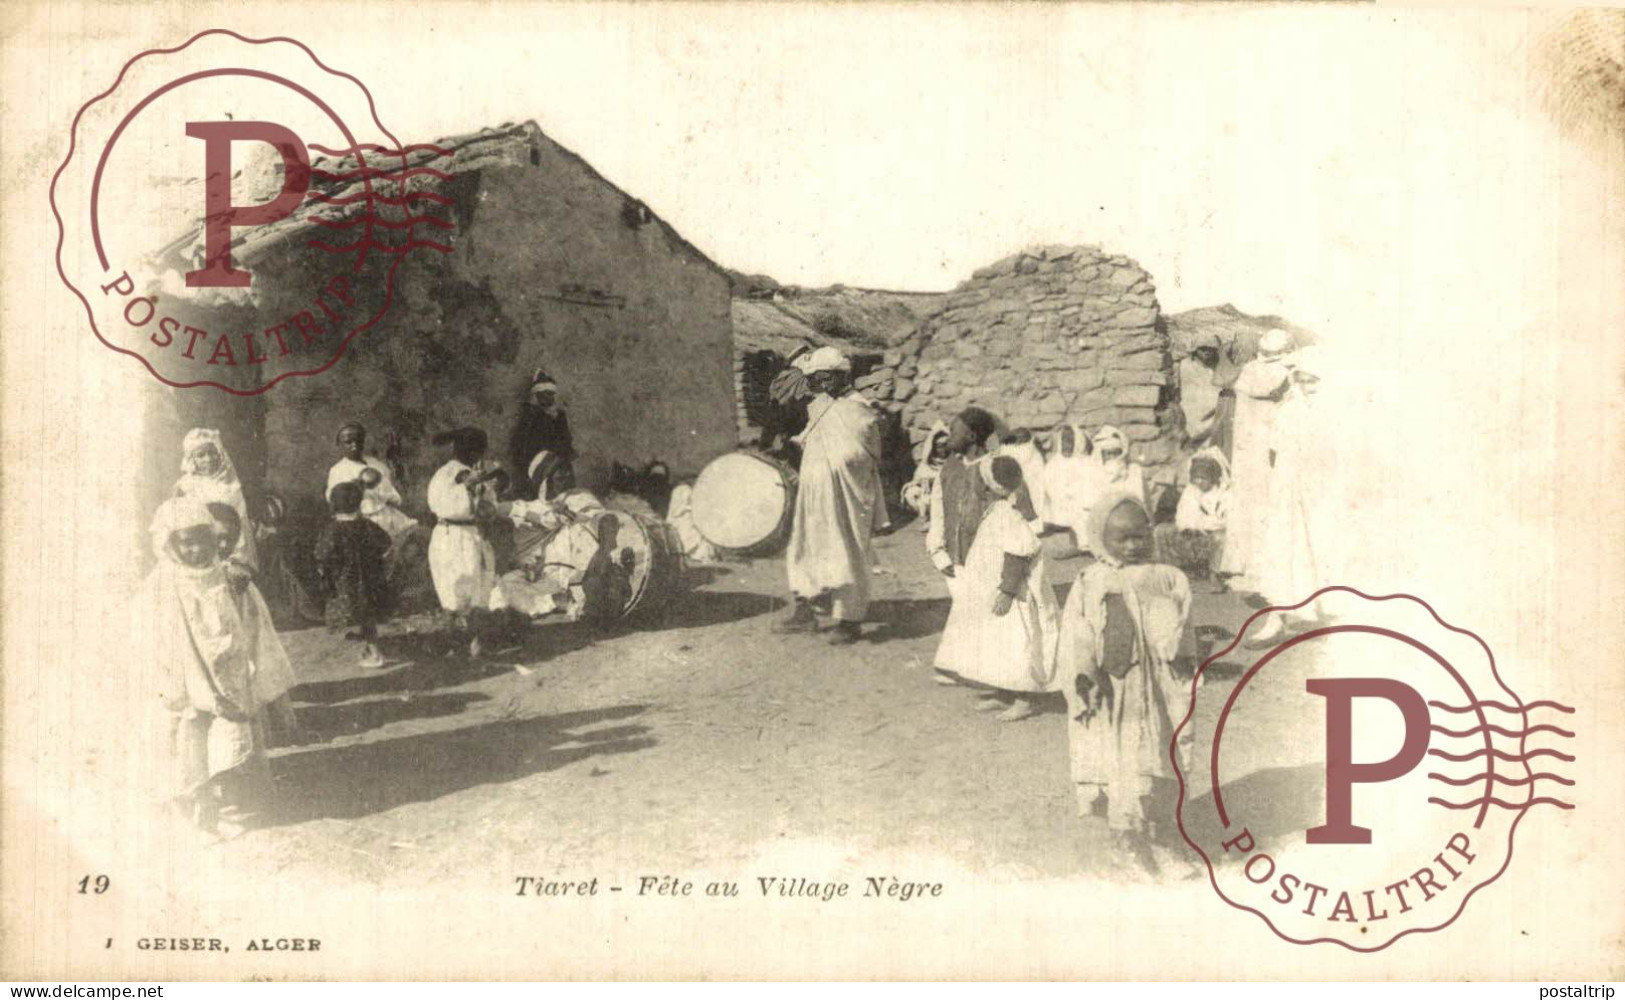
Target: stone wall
(1049,336)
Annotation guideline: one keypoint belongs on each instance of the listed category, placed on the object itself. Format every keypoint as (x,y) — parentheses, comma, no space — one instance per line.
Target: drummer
(556,539)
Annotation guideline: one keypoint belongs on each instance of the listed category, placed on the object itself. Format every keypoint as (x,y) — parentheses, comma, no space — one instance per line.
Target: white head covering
(222,486)
(1080,442)
(541,381)
(1099,513)
(177,514)
(1108,436)
(198,438)
(922,457)
(826,359)
(985,468)
(1275,342)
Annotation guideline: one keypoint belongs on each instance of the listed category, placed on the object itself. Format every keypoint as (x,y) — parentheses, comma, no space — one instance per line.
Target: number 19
(98,885)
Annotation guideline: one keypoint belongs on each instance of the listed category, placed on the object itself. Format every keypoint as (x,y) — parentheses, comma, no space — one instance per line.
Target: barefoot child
(1001,627)
(213,668)
(350,558)
(1123,626)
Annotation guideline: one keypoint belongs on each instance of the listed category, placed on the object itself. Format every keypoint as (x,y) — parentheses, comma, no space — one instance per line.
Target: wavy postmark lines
(1365,776)
(1485,760)
(233,213)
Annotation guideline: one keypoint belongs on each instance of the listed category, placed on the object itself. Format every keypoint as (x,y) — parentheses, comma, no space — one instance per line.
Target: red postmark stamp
(1364,776)
(232,212)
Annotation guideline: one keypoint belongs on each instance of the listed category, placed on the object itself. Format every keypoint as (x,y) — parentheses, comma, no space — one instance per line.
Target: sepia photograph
(744,491)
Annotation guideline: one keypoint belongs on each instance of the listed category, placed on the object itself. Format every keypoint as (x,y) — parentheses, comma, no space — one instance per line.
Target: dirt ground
(694,737)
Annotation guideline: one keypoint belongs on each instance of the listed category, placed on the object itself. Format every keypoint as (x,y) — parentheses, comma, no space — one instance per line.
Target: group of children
(1063,475)
(1110,650)
(221,677)
(210,653)
(206,652)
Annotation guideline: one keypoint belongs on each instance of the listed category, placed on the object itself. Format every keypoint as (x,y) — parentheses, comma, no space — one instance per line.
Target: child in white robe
(461,560)
(1116,474)
(1002,624)
(1124,625)
(208,475)
(1195,540)
(214,670)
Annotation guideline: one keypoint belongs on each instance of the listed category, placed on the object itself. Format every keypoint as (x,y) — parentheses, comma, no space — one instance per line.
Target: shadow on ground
(908,618)
(704,608)
(354,781)
(1270,804)
(322,722)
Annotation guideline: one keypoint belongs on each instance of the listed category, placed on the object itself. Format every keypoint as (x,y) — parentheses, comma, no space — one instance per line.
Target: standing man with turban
(839,504)
(542,426)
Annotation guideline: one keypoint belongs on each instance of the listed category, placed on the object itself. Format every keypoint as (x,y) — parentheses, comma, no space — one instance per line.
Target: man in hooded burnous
(839,504)
(542,426)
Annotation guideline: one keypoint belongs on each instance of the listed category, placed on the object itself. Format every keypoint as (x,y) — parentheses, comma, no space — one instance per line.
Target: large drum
(609,564)
(743,502)
(656,565)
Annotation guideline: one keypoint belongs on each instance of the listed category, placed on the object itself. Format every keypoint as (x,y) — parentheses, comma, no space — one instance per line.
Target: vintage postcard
(827,491)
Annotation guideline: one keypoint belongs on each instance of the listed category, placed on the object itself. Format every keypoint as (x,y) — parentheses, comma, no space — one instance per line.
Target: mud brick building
(548,265)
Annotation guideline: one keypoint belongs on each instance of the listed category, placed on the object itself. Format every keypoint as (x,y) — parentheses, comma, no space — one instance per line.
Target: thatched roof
(858,320)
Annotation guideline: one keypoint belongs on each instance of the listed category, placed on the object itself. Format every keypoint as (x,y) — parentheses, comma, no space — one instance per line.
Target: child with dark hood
(350,557)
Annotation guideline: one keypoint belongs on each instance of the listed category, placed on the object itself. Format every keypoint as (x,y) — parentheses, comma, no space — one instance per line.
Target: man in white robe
(839,504)
(1291,565)
(1260,387)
